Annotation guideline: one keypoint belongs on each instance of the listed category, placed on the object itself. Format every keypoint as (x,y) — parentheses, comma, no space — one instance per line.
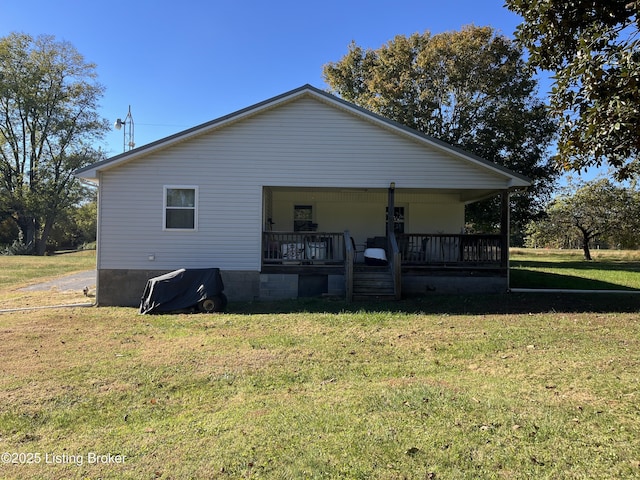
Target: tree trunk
(586,236)
(41,245)
(28,228)
(585,247)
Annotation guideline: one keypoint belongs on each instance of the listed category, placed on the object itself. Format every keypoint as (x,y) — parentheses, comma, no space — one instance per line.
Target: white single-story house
(285,197)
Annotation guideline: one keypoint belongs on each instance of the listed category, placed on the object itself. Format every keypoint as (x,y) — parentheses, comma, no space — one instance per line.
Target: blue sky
(179,64)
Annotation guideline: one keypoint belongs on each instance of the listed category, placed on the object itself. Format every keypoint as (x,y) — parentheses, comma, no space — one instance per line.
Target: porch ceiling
(465,195)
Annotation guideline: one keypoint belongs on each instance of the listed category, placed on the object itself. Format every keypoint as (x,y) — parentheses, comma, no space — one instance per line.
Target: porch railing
(447,249)
(303,248)
(312,248)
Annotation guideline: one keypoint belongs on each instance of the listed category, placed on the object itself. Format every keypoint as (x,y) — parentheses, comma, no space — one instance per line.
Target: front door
(398,219)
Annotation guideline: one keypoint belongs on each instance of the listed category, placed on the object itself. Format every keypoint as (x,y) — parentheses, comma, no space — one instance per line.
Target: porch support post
(391,207)
(396,260)
(504,229)
(348,265)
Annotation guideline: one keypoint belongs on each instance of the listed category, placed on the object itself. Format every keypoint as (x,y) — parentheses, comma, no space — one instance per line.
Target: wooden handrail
(302,247)
(451,249)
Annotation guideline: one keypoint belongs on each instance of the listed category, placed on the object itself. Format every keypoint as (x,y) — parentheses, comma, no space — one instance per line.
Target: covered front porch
(327,233)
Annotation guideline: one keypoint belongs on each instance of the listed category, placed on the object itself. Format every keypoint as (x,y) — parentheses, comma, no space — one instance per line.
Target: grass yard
(566,269)
(444,387)
(18,272)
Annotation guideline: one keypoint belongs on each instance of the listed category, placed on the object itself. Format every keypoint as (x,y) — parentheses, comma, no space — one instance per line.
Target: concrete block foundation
(124,288)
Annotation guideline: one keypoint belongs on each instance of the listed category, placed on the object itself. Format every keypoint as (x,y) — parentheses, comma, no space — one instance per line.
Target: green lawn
(508,386)
(609,270)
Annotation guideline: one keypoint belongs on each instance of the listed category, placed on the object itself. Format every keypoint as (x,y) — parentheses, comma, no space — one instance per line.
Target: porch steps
(372,283)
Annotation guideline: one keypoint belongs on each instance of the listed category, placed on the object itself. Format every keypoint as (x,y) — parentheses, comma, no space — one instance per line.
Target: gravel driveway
(73,281)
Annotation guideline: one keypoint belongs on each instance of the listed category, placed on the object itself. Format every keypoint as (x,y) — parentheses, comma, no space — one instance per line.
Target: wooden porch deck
(319,253)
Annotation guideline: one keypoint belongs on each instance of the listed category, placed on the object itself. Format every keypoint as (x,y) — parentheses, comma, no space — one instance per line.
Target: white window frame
(165,189)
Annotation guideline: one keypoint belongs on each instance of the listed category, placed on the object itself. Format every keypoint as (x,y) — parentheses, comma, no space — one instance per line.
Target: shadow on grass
(522,278)
(440,304)
(567,275)
(613,265)
(483,304)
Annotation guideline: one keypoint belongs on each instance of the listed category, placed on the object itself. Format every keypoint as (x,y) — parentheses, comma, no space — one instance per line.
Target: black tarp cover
(180,289)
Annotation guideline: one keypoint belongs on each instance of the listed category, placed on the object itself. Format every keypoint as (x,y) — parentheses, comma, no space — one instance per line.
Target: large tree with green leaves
(593,49)
(48,126)
(470,88)
(590,210)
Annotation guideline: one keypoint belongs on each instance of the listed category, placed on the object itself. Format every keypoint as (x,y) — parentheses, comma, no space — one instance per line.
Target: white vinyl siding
(304,143)
(307,143)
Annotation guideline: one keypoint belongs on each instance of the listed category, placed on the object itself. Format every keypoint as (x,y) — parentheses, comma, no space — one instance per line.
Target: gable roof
(90,172)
